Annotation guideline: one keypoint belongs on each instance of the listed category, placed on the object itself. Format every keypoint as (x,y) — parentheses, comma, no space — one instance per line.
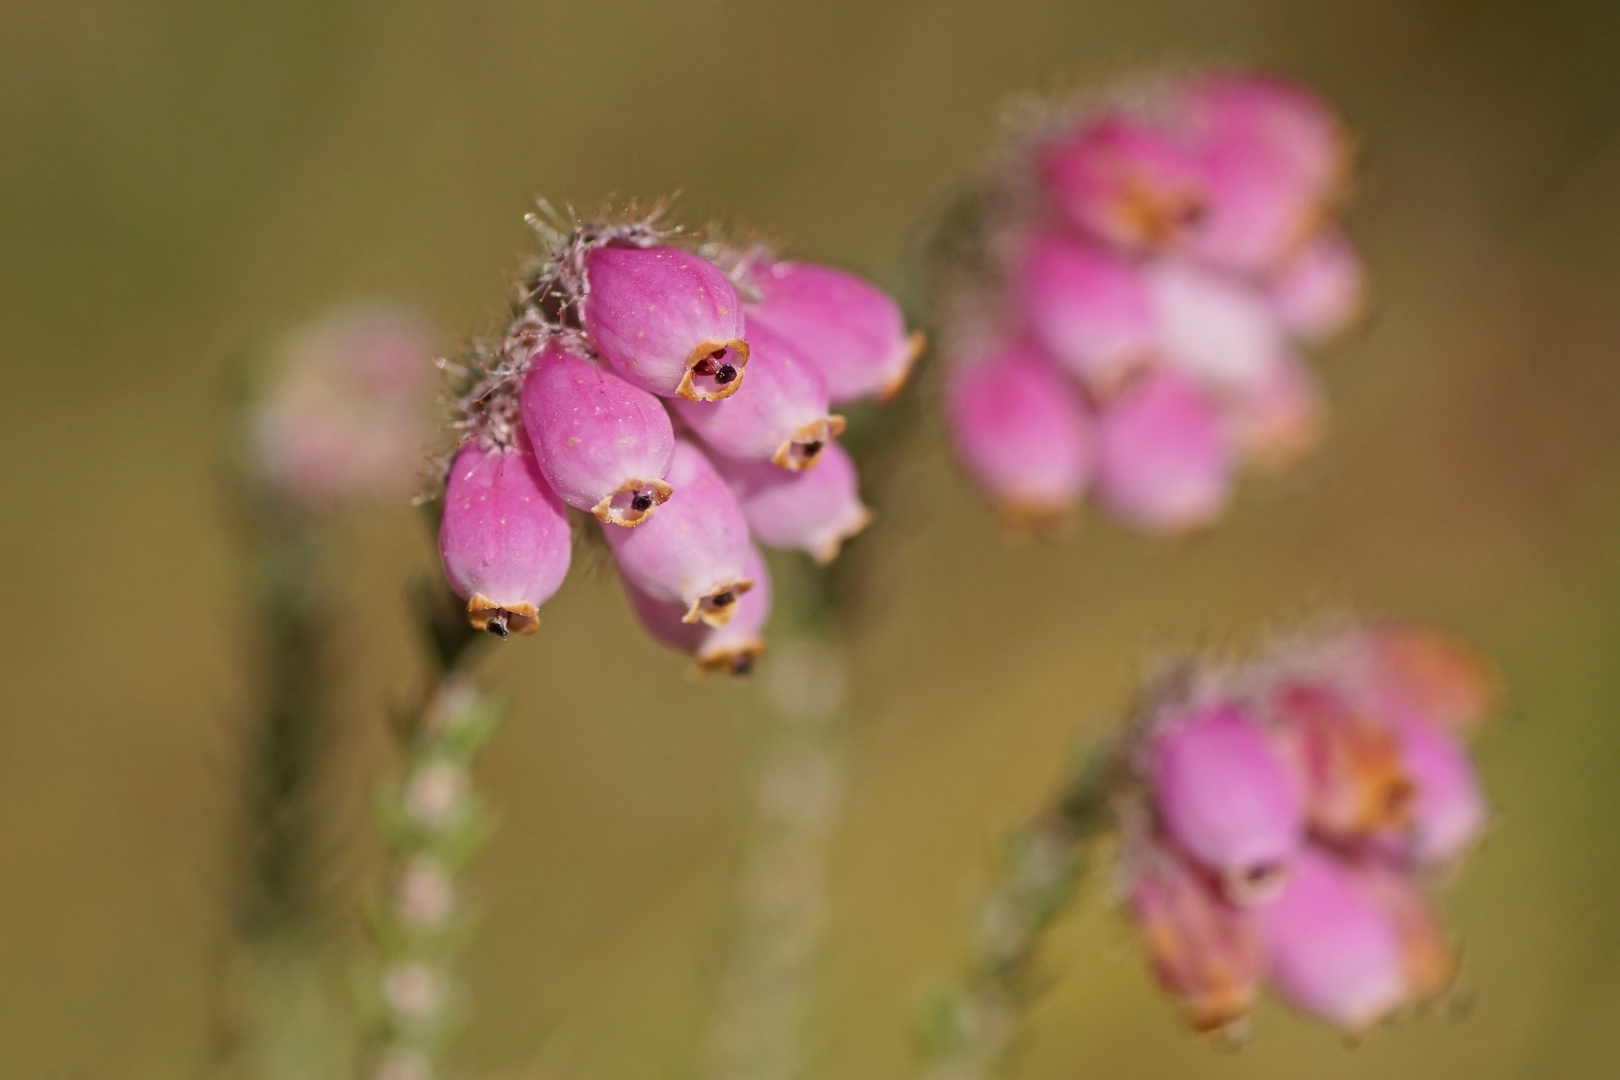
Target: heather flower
(781,417)
(1124,180)
(504,537)
(1022,433)
(603,445)
(1373,798)
(1224,793)
(1164,460)
(1335,952)
(813,511)
(1320,290)
(1088,309)
(850,331)
(345,414)
(668,320)
(1171,248)
(694,551)
(733,648)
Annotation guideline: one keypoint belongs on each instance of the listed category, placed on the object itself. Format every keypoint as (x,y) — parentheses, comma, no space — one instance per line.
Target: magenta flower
(603,445)
(1216,330)
(1022,433)
(732,648)
(1320,290)
(1205,952)
(1125,181)
(1225,795)
(781,417)
(1088,309)
(1275,160)
(1448,811)
(1164,460)
(1348,758)
(850,331)
(813,511)
(666,319)
(504,537)
(1335,952)
(694,551)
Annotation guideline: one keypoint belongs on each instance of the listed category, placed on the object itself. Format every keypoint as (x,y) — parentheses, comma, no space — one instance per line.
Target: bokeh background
(182,180)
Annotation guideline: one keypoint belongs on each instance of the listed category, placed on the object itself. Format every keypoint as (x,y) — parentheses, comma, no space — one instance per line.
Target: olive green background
(181,180)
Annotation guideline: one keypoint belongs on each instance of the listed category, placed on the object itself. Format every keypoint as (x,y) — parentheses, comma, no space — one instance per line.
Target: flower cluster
(1125,314)
(1288,815)
(683,398)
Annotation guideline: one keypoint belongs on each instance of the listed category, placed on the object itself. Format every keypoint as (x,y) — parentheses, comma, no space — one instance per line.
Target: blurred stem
(766,999)
(968,1031)
(433,824)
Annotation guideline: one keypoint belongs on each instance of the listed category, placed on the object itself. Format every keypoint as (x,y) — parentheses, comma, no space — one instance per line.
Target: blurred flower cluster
(1288,815)
(682,397)
(1125,304)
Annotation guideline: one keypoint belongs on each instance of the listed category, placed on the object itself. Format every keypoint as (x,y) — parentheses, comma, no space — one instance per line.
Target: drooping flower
(1164,462)
(668,320)
(851,331)
(733,648)
(1088,309)
(603,445)
(813,511)
(781,418)
(1022,433)
(1320,289)
(694,551)
(504,537)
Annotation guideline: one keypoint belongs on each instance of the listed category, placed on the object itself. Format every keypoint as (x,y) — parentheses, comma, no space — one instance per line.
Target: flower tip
(736,659)
(916,343)
(501,620)
(634,502)
(803,450)
(714,371)
(825,552)
(716,608)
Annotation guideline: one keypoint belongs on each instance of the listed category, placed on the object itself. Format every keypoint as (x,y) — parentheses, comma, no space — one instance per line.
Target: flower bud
(1124,181)
(1225,795)
(733,648)
(694,550)
(666,319)
(813,511)
(851,331)
(1334,951)
(1422,675)
(1275,157)
(1022,433)
(782,416)
(1205,952)
(603,445)
(1216,329)
(1087,308)
(1280,420)
(1348,760)
(1320,289)
(1448,810)
(504,537)
(1164,461)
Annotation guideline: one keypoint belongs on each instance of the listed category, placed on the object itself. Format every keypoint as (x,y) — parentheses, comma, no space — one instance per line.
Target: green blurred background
(183,179)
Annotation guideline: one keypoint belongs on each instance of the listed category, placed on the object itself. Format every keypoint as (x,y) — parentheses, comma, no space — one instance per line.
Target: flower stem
(970,1027)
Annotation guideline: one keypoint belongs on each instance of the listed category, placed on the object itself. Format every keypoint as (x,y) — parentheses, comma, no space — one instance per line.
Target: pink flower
(1349,761)
(666,319)
(1205,952)
(1125,181)
(504,537)
(1225,795)
(694,551)
(851,331)
(1087,308)
(1335,952)
(1320,289)
(1418,674)
(780,418)
(1448,809)
(732,648)
(813,511)
(1164,460)
(603,444)
(1275,158)
(1215,329)
(1022,433)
